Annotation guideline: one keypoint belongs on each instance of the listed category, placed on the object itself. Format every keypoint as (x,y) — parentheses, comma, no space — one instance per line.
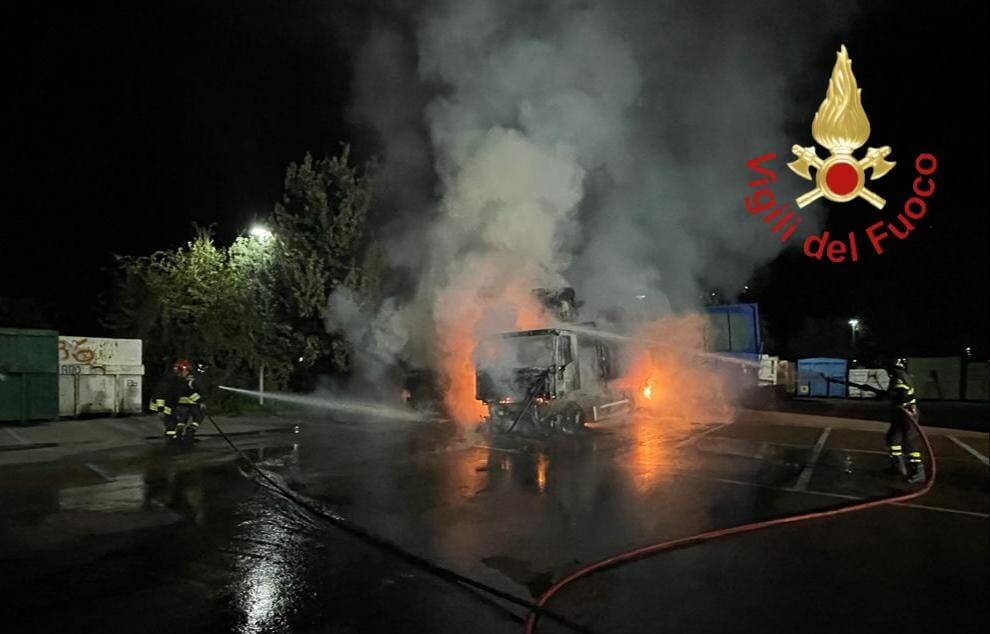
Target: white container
(99,376)
(768,369)
(874,377)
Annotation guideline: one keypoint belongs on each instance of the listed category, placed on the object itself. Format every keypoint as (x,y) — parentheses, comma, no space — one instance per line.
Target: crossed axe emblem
(875,160)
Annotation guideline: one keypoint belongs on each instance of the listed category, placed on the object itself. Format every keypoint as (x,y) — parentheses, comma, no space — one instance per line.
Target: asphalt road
(144,538)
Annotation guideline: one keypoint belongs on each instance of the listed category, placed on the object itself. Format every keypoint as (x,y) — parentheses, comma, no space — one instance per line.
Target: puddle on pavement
(124,493)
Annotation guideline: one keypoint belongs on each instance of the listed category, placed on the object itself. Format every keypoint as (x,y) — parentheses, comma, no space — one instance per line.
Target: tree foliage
(257,302)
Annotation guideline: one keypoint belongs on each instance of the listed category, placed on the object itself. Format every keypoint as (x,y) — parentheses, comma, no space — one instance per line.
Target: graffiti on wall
(75,350)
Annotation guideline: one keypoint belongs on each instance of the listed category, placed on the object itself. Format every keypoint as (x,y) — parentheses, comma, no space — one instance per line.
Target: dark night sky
(126,125)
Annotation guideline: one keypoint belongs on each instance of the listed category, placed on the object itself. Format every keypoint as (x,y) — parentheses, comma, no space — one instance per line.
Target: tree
(321,242)
(200,302)
(257,303)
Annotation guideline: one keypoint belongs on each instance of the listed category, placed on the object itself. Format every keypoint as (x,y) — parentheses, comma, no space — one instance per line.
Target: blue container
(812,373)
(734,330)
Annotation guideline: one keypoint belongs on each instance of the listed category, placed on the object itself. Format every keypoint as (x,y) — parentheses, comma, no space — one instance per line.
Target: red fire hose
(621,558)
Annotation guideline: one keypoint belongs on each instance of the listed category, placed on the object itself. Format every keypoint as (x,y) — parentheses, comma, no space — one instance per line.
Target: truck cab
(547,380)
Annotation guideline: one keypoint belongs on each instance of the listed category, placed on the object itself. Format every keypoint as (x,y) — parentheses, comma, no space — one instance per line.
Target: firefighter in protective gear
(185,400)
(902,437)
(160,402)
(157,402)
(178,400)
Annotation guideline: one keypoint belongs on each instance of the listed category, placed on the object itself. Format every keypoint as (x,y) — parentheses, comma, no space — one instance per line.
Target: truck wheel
(572,419)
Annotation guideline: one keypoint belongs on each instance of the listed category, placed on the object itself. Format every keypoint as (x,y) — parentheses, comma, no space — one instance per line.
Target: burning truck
(550,379)
(559,378)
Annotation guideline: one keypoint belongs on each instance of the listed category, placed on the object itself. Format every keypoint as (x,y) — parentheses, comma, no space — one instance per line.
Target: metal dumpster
(977,381)
(99,376)
(28,374)
(874,377)
(936,378)
(813,374)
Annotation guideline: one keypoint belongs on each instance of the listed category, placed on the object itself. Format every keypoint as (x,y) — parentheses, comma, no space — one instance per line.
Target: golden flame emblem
(841,126)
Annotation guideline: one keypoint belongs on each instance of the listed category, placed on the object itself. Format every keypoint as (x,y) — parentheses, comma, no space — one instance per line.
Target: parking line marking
(976,454)
(103,473)
(690,440)
(925,507)
(17,437)
(809,467)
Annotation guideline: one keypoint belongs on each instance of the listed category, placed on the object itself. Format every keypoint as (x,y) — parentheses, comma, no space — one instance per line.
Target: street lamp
(261,232)
(854,326)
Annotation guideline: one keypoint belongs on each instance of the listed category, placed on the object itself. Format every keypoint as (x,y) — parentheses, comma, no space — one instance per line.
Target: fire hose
(538,608)
(683,542)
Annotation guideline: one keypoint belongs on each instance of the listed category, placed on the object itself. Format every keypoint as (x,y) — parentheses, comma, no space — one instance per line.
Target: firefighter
(902,437)
(157,402)
(160,402)
(185,400)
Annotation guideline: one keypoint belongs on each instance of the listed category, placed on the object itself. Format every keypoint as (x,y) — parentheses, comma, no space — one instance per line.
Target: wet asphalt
(152,539)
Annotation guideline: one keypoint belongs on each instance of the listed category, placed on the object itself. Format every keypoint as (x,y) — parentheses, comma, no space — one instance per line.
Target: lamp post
(853,326)
(262,234)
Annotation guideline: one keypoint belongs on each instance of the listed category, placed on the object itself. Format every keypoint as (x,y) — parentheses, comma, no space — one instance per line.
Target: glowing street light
(854,326)
(261,232)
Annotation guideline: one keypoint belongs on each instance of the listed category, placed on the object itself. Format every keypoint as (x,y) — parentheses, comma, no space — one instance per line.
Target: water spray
(338,405)
(614,336)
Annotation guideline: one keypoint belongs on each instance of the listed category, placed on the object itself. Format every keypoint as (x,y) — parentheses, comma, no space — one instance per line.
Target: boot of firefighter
(168,423)
(917,470)
(897,467)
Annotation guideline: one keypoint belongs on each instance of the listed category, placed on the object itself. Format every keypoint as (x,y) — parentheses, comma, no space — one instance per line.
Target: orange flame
(466,315)
(670,373)
(648,389)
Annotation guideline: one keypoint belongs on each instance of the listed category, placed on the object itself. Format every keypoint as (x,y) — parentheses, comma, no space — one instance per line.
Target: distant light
(641,297)
(854,323)
(745,288)
(969,351)
(300,359)
(261,232)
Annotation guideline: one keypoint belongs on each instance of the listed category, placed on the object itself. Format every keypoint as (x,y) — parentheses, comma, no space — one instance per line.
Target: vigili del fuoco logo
(841,127)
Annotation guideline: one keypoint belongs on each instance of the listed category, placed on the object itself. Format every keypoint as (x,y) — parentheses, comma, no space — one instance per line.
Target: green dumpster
(28,375)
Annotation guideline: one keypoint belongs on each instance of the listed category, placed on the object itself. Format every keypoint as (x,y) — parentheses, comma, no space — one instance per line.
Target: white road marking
(103,473)
(845,449)
(17,437)
(976,454)
(809,468)
(690,440)
(939,509)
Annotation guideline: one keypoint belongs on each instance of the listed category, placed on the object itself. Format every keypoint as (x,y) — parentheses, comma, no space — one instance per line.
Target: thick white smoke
(594,144)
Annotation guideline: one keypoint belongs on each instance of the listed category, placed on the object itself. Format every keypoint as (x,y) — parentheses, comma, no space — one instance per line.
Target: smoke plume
(599,145)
